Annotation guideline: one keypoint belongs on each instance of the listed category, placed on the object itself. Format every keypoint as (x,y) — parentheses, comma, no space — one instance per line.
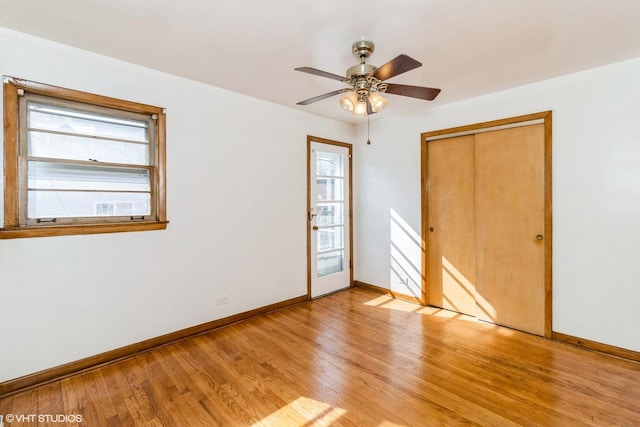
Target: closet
(487,222)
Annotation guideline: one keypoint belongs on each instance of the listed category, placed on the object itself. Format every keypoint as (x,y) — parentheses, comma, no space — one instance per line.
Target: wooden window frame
(13,88)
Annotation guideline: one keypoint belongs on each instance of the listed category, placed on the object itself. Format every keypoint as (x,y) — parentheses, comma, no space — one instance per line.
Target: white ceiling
(467,47)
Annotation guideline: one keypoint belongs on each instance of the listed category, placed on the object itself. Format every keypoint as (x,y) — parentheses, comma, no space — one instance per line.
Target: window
(78,163)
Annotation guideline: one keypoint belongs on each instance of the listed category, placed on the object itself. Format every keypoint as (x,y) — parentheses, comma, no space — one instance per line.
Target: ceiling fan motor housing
(360,70)
(361,49)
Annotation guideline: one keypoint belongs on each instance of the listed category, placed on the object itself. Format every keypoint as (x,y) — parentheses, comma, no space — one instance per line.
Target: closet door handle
(539,237)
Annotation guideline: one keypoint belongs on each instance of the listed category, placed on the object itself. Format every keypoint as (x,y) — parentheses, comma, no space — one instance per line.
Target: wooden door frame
(545,118)
(349,147)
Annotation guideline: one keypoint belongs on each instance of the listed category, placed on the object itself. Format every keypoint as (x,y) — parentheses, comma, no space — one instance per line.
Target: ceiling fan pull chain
(368,131)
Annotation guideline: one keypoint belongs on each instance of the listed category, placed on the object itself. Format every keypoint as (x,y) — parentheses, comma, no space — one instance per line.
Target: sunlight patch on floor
(307,412)
(388,302)
(313,411)
(391,303)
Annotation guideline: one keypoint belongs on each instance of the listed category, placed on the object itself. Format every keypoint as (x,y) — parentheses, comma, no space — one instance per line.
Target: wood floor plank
(75,401)
(354,358)
(221,397)
(50,399)
(160,392)
(6,406)
(150,406)
(97,392)
(117,391)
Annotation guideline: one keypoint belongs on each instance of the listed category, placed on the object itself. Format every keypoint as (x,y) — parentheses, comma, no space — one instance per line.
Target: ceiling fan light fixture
(377,101)
(348,102)
(360,108)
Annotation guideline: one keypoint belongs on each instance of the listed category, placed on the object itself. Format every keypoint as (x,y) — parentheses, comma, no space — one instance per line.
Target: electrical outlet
(222,299)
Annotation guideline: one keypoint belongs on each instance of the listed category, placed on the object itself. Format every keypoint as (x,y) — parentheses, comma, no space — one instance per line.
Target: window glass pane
(42,144)
(329,188)
(58,119)
(328,164)
(330,263)
(330,238)
(61,176)
(61,204)
(330,214)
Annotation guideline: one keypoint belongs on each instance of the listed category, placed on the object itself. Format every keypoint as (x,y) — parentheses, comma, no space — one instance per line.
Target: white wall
(596,195)
(236,199)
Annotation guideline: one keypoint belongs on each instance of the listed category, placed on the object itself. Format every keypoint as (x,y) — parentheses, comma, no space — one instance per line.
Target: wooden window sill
(70,230)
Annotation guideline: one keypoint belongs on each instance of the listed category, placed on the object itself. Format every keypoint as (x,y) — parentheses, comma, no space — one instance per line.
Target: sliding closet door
(451,274)
(509,210)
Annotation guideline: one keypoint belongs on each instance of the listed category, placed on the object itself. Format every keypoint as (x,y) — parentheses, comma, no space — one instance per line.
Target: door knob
(539,237)
(315,227)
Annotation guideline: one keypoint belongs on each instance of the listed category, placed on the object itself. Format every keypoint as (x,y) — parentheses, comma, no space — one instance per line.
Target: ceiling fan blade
(398,65)
(426,93)
(320,73)
(320,98)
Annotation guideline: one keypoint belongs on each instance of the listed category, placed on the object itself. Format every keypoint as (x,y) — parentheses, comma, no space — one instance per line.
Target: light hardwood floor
(354,358)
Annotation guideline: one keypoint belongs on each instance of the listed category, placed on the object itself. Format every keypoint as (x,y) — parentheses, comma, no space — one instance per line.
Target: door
(487,221)
(329,216)
(452,262)
(509,179)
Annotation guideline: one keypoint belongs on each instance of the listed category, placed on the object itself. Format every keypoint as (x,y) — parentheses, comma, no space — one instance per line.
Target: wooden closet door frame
(545,118)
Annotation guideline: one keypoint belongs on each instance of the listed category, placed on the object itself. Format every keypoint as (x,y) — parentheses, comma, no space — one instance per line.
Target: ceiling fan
(366,82)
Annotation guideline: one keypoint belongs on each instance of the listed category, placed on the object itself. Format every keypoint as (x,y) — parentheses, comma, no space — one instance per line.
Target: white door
(329,217)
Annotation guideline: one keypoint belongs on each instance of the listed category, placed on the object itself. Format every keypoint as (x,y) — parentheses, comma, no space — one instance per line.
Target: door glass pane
(330,214)
(329,164)
(330,238)
(330,263)
(329,188)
